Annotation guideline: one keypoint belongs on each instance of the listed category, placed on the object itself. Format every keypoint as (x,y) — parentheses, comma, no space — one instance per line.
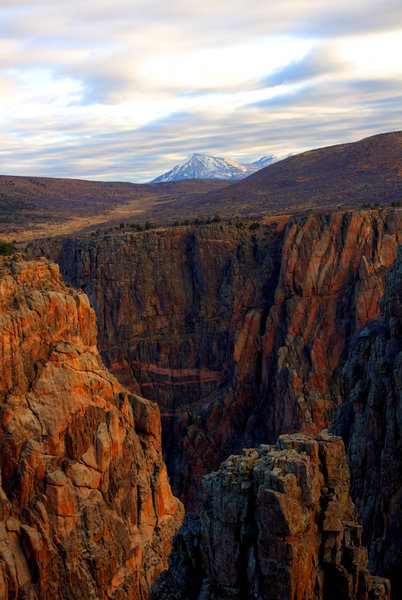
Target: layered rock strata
(370,421)
(86,509)
(238,335)
(277,522)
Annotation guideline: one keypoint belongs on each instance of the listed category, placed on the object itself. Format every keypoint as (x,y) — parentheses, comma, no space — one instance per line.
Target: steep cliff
(86,510)
(370,421)
(277,522)
(170,306)
(238,335)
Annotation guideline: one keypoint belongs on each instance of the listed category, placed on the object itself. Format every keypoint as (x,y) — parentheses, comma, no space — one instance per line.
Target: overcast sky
(124,89)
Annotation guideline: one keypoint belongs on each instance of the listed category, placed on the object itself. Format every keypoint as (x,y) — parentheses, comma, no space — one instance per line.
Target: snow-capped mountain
(202,166)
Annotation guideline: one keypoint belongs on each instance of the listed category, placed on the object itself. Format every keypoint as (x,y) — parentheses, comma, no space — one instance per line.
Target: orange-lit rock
(86,509)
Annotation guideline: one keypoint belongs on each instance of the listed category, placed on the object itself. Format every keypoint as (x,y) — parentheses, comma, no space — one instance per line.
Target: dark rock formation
(238,335)
(370,422)
(86,509)
(277,522)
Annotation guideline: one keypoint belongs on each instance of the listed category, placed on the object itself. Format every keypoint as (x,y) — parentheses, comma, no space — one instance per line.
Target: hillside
(344,176)
(347,175)
(42,206)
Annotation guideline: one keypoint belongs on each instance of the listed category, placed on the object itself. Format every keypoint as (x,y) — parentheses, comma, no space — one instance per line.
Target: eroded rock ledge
(86,509)
(277,522)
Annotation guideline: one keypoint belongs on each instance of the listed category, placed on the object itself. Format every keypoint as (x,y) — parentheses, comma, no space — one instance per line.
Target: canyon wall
(86,509)
(238,335)
(276,522)
(370,422)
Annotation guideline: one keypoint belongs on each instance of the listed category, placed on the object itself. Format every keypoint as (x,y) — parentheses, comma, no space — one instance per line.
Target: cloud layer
(123,90)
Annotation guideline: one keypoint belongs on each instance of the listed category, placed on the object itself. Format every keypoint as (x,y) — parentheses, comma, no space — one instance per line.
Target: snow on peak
(203,166)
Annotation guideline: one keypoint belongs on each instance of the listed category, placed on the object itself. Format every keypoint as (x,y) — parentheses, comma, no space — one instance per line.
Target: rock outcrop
(277,522)
(238,335)
(86,509)
(370,422)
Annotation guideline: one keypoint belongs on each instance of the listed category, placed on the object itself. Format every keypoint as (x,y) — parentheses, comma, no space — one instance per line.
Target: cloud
(123,90)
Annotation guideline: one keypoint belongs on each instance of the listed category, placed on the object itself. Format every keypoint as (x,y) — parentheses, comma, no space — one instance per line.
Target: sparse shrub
(122,226)
(255,225)
(148,225)
(216,219)
(239,225)
(6,248)
(139,227)
(176,223)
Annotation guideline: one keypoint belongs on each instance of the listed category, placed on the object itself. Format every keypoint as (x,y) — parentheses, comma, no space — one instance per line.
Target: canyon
(238,335)
(245,339)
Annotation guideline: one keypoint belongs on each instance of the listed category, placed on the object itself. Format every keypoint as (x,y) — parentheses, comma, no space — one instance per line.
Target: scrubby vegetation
(6,248)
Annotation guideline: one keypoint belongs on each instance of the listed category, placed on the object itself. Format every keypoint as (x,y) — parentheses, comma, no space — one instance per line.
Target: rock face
(86,509)
(168,303)
(238,335)
(169,306)
(277,522)
(370,421)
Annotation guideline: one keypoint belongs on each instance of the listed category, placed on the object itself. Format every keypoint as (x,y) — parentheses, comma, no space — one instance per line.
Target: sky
(122,90)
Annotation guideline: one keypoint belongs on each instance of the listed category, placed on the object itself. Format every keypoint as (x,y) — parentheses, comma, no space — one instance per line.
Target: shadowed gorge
(237,335)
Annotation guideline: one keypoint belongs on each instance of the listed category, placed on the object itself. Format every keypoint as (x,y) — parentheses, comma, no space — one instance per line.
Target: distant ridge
(203,166)
(362,174)
(350,175)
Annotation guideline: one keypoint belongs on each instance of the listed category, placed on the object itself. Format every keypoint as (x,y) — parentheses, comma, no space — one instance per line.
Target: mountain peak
(204,166)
